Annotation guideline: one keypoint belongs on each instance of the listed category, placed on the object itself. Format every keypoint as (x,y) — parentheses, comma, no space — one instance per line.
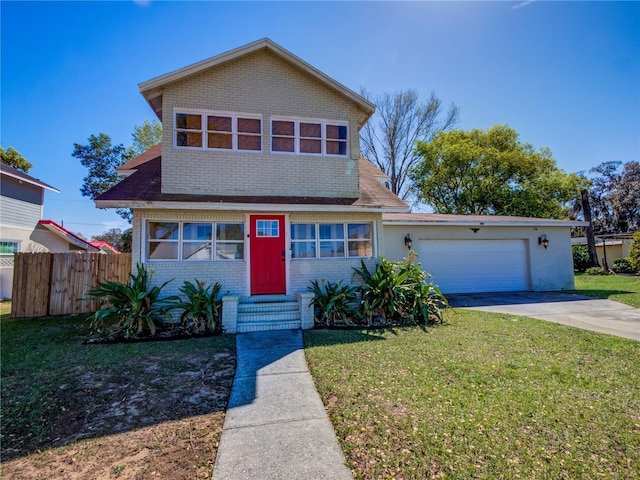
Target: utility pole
(591,240)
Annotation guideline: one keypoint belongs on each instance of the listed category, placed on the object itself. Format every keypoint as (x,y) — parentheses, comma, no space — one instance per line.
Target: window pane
(163,250)
(267,228)
(310,146)
(189,121)
(359,231)
(162,230)
(220,140)
(282,128)
(311,130)
(229,251)
(230,231)
(331,249)
(282,144)
(189,139)
(249,125)
(360,249)
(331,231)
(303,231)
(196,251)
(196,231)
(336,148)
(303,249)
(253,142)
(8,248)
(218,124)
(337,132)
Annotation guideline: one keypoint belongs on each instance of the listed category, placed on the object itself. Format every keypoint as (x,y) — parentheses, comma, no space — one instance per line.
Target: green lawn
(614,287)
(484,396)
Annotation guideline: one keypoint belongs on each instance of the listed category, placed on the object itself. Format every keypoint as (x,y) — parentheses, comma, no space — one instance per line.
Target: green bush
(634,252)
(622,265)
(335,304)
(398,293)
(202,308)
(131,310)
(596,271)
(581,258)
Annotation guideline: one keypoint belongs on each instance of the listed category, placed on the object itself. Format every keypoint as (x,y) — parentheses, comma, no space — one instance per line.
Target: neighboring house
(258,184)
(609,246)
(22,228)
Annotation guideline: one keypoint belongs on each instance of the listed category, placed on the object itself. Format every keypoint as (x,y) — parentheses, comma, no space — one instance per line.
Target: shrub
(202,308)
(335,304)
(622,265)
(596,271)
(581,258)
(131,310)
(634,252)
(399,293)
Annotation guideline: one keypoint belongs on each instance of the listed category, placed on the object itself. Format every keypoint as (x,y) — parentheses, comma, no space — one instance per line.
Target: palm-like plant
(202,308)
(131,310)
(335,304)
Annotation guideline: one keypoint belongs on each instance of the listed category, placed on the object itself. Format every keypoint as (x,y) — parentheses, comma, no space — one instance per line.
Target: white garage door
(467,266)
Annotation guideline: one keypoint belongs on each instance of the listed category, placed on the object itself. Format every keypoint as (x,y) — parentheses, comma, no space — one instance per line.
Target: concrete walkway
(276,426)
(605,316)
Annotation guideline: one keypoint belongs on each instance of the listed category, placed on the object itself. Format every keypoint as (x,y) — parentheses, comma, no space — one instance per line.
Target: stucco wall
(234,275)
(260,83)
(550,269)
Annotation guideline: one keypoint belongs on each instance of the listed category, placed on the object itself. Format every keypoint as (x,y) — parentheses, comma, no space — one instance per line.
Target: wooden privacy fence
(54,283)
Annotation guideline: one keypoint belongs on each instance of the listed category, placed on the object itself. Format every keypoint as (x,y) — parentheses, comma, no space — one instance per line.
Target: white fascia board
(501,223)
(245,207)
(32,182)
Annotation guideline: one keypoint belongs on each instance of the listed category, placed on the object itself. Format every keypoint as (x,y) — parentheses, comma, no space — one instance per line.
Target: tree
(615,197)
(121,239)
(634,252)
(389,138)
(101,158)
(145,136)
(492,172)
(12,158)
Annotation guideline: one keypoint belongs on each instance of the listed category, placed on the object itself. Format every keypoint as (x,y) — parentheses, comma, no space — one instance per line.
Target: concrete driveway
(605,316)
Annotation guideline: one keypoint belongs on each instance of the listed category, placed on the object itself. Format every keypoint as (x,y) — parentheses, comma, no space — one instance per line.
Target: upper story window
(309,137)
(218,131)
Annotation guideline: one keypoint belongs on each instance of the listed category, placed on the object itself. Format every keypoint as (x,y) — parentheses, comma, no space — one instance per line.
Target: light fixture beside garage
(543,240)
(407,241)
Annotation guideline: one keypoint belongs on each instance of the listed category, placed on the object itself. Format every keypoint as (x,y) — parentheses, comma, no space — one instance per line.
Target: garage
(465,266)
(484,253)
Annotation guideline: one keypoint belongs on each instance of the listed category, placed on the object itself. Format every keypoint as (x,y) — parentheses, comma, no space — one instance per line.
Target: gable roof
(70,237)
(129,167)
(104,246)
(152,89)
(23,177)
(143,187)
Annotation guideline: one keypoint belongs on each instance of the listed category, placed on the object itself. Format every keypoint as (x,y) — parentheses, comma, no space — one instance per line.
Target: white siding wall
(550,269)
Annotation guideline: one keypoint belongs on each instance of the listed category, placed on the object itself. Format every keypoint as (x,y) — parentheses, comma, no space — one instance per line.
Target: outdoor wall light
(407,241)
(543,240)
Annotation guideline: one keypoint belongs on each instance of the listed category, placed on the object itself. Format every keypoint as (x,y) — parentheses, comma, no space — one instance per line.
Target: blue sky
(565,75)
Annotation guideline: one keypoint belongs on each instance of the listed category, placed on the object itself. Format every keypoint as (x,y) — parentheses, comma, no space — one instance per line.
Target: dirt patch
(151,421)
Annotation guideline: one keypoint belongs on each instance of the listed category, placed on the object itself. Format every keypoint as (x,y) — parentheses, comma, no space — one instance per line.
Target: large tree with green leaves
(389,138)
(102,158)
(492,172)
(11,157)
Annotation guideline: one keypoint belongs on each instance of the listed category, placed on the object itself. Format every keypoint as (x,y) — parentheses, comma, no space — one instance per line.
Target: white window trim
(296,136)
(180,240)
(345,240)
(204,130)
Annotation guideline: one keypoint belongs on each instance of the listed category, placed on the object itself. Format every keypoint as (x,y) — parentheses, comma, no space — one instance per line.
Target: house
(22,228)
(609,247)
(258,184)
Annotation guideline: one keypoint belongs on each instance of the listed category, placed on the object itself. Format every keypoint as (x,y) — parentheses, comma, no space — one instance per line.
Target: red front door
(267,255)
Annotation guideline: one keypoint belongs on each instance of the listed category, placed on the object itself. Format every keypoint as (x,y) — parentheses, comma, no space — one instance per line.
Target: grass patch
(87,406)
(613,287)
(484,396)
